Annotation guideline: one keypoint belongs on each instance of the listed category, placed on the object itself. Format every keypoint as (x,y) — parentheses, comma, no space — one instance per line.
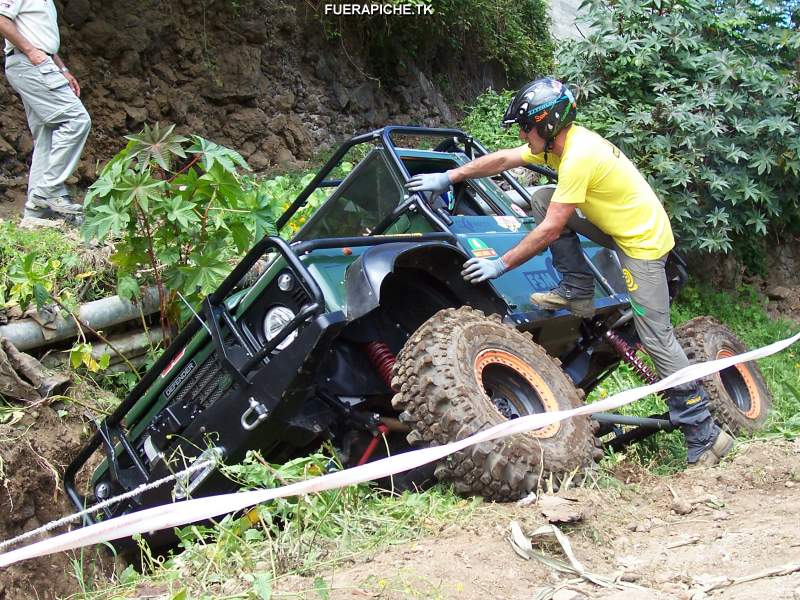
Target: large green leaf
(205,273)
(211,154)
(139,187)
(157,145)
(181,212)
(106,219)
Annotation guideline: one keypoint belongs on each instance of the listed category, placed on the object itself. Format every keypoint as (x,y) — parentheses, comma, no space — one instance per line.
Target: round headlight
(286,282)
(277,318)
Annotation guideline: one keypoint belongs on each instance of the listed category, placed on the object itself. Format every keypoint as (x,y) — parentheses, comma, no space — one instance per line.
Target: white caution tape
(145,487)
(190,511)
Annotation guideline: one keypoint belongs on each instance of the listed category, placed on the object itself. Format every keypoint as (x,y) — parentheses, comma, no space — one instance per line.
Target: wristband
(64,70)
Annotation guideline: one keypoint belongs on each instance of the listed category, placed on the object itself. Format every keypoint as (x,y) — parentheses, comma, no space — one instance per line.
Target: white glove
(429,182)
(477,270)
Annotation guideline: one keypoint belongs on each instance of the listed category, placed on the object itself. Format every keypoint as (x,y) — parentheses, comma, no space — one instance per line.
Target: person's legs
(59,124)
(688,403)
(41,150)
(67,135)
(576,288)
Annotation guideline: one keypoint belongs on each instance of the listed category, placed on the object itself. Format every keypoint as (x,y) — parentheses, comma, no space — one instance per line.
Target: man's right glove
(477,270)
(429,182)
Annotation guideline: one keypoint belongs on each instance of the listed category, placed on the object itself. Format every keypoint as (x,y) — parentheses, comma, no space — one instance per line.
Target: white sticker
(510,223)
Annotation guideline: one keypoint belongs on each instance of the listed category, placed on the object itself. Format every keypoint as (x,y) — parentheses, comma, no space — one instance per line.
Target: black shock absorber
(628,354)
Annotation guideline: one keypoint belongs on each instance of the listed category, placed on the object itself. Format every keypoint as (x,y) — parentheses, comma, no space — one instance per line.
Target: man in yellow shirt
(601,195)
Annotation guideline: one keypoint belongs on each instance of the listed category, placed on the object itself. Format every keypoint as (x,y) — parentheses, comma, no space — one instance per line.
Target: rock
(254,31)
(778,292)
(76,12)
(362,98)
(789,484)
(136,116)
(560,510)
(680,506)
(129,62)
(100,36)
(285,101)
(127,88)
(237,75)
(34,223)
(285,158)
(5,147)
(631,595)
(340,92)
(258,160)
(322,69)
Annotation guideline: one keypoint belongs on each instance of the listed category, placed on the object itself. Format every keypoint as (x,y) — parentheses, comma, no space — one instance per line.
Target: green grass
(242,556)
(68,264)
(745,314)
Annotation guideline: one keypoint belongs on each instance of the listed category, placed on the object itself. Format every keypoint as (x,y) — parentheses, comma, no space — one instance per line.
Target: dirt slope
(743,520)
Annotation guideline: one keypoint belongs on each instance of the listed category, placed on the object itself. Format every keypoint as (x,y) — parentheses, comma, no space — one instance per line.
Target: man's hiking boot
(62,205)
(712,455)
(581,307)
(34,209)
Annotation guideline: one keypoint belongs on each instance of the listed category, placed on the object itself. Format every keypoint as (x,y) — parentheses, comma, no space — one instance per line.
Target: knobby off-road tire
(442,376)
(739,398)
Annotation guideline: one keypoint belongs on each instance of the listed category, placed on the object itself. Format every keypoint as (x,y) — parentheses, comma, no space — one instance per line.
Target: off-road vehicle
(361,327)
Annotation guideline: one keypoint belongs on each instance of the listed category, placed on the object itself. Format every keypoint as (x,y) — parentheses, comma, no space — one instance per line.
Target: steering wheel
(448,145)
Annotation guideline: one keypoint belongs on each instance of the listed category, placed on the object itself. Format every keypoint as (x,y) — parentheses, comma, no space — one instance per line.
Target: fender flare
(365,277)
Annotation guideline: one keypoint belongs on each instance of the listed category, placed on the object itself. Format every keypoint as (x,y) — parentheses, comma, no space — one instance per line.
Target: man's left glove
(477,270)
(429,182)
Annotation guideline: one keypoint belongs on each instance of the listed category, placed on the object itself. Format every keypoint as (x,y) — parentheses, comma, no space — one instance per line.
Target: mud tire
(739,398)
(436,378)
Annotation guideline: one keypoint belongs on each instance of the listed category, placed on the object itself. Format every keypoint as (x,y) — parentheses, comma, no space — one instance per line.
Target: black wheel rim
(737,389)
(510,392)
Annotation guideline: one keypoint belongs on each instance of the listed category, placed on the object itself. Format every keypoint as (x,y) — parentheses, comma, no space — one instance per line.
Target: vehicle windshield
(361,202)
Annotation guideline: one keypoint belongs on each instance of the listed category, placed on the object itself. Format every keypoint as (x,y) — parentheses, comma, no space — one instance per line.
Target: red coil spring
(628,354)
(381,356)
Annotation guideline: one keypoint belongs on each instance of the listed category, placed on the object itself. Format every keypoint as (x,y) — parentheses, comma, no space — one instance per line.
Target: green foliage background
(703,96)
(514,33)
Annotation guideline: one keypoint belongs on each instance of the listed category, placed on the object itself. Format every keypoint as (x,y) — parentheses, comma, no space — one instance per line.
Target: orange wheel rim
(500,357)
(750,383)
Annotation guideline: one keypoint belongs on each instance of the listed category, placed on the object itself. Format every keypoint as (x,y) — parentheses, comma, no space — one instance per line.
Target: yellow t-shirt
(609,190)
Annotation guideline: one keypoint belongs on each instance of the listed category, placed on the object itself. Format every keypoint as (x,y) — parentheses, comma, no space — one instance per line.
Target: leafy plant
(180,221)
(702,95)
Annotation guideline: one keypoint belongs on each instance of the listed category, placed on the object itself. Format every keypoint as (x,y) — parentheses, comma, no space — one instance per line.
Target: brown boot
(581,307)
(712,455)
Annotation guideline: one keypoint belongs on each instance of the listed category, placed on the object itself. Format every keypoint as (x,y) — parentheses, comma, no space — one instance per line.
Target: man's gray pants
(57,119)
(646,281)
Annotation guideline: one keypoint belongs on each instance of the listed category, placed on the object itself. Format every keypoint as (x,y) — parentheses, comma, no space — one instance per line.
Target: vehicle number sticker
(479,248)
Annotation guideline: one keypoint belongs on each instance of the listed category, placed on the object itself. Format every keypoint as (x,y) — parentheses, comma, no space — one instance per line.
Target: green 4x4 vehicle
(361,327)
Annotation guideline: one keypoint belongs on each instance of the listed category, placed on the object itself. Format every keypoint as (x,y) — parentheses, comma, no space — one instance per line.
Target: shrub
(703,96)
(180,226)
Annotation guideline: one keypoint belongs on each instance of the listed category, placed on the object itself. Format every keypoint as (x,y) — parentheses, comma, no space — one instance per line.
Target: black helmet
(545,104)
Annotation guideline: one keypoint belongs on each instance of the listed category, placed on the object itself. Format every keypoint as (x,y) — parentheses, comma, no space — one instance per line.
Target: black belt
(17,51)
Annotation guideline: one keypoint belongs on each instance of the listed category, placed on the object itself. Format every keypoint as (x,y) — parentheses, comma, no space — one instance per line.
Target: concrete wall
(562,13)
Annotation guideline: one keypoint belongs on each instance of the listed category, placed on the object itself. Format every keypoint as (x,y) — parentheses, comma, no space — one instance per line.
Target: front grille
(205,386)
